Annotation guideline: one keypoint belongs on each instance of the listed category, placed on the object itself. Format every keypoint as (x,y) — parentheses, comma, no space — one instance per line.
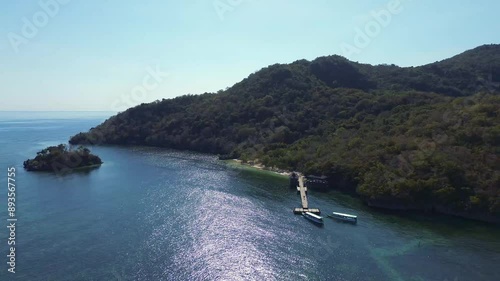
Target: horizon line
(59,111)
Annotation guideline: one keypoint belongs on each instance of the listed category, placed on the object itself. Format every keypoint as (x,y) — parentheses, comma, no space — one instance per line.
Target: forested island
(424,138)
(60,159)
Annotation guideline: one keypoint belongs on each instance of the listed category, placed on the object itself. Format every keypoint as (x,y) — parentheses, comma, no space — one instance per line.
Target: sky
(108,55)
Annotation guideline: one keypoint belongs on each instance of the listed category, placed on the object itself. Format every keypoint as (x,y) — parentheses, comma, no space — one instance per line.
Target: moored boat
(344,217)
(313,217)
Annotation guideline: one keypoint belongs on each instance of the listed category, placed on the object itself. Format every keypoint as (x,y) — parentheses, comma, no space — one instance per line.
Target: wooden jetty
(302,188)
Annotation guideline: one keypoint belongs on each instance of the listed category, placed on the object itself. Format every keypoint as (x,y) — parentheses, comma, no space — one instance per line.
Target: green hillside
(423,137)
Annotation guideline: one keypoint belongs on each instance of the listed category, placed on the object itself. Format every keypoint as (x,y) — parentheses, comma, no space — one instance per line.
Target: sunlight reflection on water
(158,214)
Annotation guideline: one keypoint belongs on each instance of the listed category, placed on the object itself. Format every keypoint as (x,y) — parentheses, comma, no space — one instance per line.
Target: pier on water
(302,188)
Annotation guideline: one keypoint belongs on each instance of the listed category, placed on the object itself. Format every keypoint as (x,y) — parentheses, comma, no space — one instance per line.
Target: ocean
(160,214)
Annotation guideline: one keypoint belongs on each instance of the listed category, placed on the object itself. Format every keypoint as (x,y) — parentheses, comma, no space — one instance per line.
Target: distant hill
(424,137)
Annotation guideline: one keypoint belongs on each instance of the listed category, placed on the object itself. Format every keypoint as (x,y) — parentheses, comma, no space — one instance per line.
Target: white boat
(313,217)
(344,217)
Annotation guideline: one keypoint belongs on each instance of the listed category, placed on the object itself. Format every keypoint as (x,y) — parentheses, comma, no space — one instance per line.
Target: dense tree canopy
(426,136)
(61,159)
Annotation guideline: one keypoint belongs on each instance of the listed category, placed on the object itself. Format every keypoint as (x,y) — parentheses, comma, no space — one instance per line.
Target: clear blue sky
(92,54)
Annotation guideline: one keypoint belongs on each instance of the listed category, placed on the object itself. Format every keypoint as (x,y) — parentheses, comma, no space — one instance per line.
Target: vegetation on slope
(423,137)
(61,159)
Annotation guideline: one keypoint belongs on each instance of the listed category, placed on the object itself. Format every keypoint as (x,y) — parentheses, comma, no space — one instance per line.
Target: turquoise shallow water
(157,214)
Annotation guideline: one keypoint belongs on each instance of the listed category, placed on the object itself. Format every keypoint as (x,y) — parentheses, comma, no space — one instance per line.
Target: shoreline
(373,204)
(255,166)
(70,170)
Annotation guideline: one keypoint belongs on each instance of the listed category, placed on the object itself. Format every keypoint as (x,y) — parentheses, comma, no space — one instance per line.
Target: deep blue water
(158,214)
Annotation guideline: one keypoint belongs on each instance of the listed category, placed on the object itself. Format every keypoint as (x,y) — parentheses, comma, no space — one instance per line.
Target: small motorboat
(344,217)
(313,217)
